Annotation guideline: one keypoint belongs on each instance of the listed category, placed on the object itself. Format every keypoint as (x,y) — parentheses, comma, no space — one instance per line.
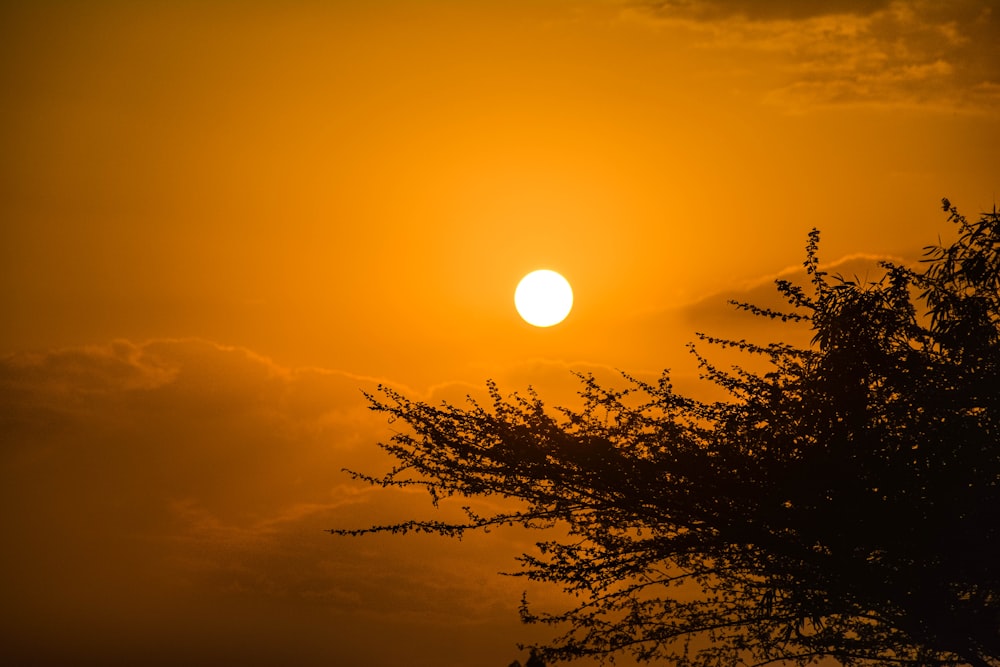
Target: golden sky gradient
(219,221)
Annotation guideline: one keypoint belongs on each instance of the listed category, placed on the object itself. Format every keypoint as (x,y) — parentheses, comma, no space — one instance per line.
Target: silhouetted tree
(534,660)
(842,503)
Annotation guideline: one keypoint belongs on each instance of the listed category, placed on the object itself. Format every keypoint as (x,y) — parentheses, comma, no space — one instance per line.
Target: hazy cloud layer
(904,53)
(164,503)
(716,315)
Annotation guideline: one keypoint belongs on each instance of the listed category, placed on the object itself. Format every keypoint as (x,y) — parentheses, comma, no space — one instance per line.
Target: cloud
(903,53)
(761,9)
(715,315)
(717,310)
(165,503)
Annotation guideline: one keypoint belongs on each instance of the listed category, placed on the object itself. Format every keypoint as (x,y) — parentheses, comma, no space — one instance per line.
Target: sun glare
(543,298)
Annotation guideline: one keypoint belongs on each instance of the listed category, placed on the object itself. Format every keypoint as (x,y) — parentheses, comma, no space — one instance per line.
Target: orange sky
(220,220)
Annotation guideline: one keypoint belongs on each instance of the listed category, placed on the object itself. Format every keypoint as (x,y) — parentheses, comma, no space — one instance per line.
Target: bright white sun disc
(543,298)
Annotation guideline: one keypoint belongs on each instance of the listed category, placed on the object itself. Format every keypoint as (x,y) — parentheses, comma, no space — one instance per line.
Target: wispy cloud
(904,53)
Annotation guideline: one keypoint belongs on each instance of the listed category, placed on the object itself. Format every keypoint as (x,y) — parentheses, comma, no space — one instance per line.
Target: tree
(534,660)
(842,503)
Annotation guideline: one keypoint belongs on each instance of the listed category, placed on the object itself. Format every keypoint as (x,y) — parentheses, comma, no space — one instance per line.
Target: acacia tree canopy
(842,503)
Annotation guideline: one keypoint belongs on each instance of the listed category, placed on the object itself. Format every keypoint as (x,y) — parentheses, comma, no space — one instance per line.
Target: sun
(543,298)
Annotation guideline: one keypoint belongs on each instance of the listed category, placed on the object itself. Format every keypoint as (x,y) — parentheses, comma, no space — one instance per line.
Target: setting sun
(226,224)
(543,298)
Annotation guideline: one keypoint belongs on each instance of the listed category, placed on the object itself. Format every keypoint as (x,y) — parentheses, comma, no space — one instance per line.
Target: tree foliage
(842,503)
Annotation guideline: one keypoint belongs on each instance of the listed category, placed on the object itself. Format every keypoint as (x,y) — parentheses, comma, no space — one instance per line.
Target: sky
(221,221)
